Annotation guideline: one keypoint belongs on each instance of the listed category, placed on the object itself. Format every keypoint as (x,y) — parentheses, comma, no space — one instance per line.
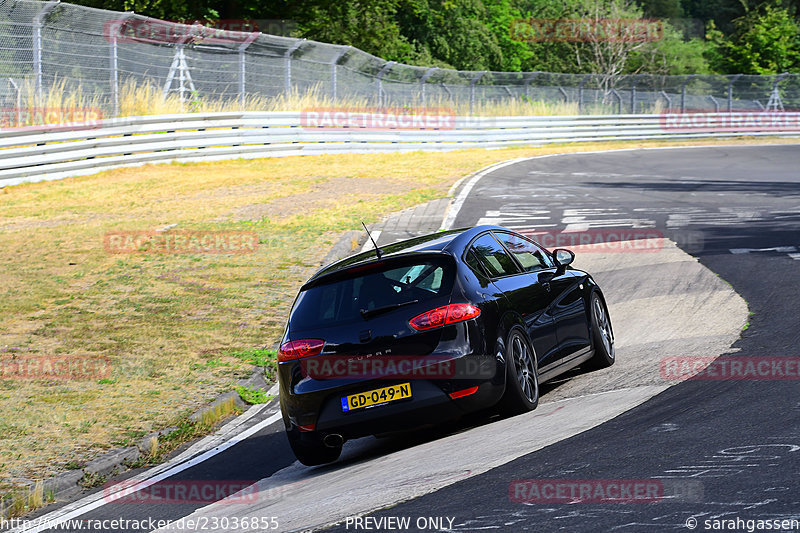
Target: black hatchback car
(433,328)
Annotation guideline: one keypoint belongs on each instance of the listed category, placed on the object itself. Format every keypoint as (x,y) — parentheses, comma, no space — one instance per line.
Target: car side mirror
(563,257)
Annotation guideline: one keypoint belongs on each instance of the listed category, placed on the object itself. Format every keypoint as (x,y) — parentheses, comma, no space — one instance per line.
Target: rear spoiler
(374,264)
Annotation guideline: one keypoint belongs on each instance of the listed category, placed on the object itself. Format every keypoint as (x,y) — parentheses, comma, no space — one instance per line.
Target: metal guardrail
(62,150)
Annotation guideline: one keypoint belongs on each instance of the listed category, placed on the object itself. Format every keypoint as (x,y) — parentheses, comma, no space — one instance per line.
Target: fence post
(380,75)
(683,92)
(243,66)
(619,100)
(472,83)
(422,82)
(730,91)
(528,81)
(334,75)
(666,97)
(633,99)
(37,45)
(287,81)
(113,33)
(580,92)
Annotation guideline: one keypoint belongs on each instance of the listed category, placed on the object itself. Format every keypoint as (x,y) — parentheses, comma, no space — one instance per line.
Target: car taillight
(447,314)
(292,350)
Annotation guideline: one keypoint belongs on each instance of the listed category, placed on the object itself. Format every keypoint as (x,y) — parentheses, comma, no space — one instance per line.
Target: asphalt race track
(739,439)
(717,449)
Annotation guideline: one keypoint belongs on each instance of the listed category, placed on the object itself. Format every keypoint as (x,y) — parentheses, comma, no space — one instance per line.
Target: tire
(309,449)
(602,334)
(522,379)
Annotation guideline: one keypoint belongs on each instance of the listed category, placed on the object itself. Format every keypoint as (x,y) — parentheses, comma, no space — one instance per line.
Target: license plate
(376,397)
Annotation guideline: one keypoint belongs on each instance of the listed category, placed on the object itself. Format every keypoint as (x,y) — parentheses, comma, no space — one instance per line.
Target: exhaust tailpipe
(333,440)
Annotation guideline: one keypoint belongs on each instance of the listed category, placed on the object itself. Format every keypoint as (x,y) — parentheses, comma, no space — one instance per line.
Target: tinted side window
(530,256)
(473,263)
(493,257)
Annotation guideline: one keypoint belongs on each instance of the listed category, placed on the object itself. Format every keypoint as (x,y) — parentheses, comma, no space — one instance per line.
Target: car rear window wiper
(367,314)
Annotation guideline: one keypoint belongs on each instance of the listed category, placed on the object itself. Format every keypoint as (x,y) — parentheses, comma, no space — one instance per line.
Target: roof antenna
(378,251)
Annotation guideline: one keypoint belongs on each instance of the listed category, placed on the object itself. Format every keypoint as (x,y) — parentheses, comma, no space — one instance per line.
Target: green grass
(253,396)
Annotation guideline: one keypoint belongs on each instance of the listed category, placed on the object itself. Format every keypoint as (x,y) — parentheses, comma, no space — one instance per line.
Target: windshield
(386,287)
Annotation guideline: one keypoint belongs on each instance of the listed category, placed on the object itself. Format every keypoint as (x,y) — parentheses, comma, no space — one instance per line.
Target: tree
(765,41)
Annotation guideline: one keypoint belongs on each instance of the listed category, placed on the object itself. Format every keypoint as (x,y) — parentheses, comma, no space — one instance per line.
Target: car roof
(450,242)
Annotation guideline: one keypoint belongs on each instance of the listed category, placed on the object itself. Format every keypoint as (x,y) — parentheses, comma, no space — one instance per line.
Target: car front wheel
(602,334)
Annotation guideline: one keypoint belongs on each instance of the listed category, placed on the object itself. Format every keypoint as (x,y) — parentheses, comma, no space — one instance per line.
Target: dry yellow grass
(146,98)
(171,325)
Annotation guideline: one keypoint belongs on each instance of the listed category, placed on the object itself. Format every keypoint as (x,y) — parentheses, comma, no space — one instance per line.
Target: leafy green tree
(765,41)
(453,31)
(366,24)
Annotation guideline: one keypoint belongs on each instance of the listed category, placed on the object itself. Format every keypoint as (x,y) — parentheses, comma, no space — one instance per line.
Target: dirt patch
(321,195)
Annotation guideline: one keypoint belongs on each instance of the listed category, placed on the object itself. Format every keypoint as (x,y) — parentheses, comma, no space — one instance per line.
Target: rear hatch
(363,312)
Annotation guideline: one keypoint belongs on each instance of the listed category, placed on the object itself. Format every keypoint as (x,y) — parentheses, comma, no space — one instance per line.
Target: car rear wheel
(602,334)
(522,380)
(310,450)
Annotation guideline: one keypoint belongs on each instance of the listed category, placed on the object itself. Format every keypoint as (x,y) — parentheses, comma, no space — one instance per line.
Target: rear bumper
(430,404)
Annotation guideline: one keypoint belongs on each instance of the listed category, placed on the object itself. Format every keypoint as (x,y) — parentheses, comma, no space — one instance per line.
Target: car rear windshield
(353,295)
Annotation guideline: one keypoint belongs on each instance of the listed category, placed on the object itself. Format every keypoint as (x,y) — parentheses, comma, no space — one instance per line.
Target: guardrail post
(243,66)
(287,57)
(472,83)
(730,91)
(683,92)
(380,75)
(334,73)
(37,45)
(422,82)
(580,92)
